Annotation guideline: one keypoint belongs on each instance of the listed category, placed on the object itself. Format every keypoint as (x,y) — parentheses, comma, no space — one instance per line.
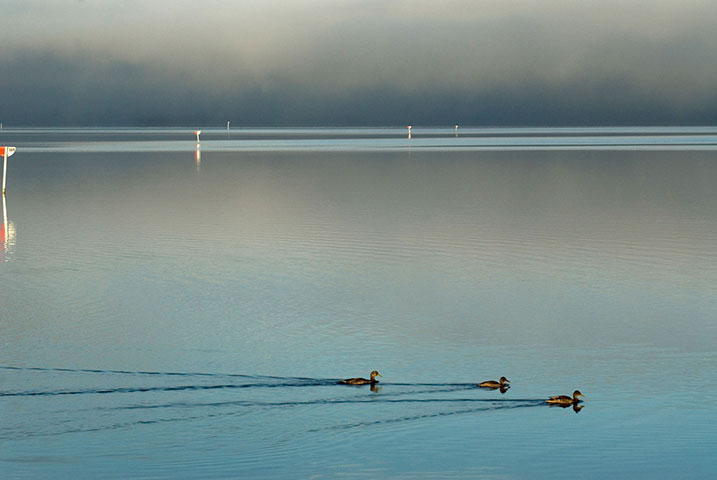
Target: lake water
(174,312)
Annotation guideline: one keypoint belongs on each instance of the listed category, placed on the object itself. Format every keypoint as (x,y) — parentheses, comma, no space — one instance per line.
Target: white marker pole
(409,131)
(197,132)
(4,168)
(6,152)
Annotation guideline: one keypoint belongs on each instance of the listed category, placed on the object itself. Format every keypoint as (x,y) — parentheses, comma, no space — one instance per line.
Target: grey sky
(351,62)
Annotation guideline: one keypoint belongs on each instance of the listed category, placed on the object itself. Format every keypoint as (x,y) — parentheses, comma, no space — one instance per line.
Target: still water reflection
(8,234)
(162,320)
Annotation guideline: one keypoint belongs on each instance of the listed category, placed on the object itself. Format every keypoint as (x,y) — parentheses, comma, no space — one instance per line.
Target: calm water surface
(173,313)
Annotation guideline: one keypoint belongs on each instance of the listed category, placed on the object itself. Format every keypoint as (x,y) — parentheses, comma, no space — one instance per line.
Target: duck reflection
(7,233)
(375,388)
(576,407)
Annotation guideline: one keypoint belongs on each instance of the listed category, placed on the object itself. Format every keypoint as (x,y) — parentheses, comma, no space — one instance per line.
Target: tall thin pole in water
(6,152)
(4,168)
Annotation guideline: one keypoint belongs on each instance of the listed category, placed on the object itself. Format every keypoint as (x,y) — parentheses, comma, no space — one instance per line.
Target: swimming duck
(493,384)
(565,400)
(362,381)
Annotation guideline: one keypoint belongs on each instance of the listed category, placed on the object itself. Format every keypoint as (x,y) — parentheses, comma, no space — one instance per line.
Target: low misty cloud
(318,62)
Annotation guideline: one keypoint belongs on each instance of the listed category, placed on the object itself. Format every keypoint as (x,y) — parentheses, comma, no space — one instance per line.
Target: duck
(362,381)
(502,384)
(565,400)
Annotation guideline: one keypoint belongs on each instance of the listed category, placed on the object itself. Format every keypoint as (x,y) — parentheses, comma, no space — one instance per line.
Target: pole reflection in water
(7,234)
(198,158)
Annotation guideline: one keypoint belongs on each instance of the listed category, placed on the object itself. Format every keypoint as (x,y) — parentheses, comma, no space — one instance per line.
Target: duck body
(361,381)
(358,381)
(565,400)
(503,383)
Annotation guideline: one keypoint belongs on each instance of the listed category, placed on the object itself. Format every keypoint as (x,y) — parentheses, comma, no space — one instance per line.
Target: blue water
(174,312)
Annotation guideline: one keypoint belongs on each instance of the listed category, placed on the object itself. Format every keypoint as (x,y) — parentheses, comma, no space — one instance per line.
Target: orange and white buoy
(5,152)
(197,132)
